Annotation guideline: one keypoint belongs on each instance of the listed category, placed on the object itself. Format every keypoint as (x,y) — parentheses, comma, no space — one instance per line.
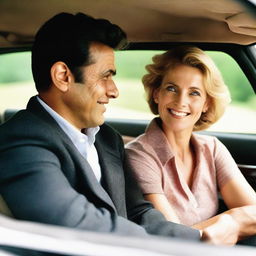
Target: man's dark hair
(67,37)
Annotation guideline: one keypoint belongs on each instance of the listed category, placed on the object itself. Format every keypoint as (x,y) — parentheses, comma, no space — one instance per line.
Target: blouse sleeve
(226,166)
(146,170)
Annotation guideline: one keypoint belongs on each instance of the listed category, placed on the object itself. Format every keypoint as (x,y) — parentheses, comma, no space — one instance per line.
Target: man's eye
(106,77)
(195,93)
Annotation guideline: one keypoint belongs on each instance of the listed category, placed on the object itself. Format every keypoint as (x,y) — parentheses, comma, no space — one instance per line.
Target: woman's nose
(181,100)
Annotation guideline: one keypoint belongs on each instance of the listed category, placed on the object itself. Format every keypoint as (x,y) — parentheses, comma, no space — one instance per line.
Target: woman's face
(181,98)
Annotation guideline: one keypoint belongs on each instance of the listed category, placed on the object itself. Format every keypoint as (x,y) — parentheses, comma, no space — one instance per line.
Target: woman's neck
(183,152)
(179,141)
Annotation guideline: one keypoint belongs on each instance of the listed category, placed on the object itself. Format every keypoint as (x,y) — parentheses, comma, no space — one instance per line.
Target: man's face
(85,102)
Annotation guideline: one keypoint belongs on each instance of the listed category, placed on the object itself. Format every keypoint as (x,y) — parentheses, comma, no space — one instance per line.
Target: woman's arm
(229,227)
(234,188)
(237,192)
(240,198)
(221,229)
(238,222)
(245,217)
(161,203)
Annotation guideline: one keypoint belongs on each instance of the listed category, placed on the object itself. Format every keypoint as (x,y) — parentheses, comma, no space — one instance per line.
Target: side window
(16,83)
(131,103)
(16,87)
(240,116)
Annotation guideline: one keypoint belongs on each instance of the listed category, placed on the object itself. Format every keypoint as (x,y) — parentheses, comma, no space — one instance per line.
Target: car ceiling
(222,21)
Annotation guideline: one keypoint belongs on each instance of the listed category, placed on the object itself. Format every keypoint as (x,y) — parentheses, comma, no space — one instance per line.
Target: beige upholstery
(145,20)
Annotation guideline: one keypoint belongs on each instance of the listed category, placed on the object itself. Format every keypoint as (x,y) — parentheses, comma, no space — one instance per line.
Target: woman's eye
(195,93)
(171,89)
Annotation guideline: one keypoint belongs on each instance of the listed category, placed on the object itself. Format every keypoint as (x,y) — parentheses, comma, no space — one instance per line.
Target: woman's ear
(61,76)
(206,105)
(155,96)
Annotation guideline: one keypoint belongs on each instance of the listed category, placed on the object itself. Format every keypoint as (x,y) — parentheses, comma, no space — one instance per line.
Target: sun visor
(242,23)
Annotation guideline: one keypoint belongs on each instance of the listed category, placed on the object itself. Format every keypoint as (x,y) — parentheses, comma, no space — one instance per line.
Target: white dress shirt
(84,142)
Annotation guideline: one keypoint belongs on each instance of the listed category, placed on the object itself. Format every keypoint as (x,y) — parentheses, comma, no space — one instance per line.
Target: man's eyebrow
(111,71)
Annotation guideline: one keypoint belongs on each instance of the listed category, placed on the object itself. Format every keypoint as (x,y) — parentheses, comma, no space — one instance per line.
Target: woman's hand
(229,227)
(220,230)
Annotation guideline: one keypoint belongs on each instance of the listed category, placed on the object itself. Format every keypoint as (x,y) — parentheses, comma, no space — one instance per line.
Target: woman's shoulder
(210,143)
(147,140)
(206,141)
(140,142)
(204,137)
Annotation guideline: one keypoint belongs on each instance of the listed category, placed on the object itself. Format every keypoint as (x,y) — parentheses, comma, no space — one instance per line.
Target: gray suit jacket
(44,178)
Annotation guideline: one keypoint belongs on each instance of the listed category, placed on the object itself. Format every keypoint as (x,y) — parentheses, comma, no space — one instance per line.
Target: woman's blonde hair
(217,92)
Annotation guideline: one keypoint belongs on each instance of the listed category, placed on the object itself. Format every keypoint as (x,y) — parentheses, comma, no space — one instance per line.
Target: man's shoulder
(25,127)
(108,135)
(21,118)
(106,129)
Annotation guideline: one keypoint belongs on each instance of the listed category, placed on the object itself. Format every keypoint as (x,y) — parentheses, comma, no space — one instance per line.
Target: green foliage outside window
(131,66)
(15,67)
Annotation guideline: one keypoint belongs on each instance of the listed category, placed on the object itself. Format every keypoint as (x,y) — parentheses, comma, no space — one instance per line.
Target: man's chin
(100,121)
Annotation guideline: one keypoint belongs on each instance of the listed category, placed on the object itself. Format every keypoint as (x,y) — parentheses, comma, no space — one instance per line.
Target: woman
(179,171)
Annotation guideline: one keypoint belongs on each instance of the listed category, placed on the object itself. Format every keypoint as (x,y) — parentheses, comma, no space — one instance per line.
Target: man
(57,165)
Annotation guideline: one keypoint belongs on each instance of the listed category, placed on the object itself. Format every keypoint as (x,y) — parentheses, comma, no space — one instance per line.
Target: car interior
(226,26)
(221,25)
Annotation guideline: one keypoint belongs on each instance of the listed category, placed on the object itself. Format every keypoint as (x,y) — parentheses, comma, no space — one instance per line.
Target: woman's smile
(177,113)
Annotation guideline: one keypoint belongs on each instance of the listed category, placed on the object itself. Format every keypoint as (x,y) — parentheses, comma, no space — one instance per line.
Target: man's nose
(112,91)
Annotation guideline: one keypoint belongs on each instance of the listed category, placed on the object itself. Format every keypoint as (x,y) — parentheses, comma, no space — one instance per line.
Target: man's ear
(155,95)
(61,76)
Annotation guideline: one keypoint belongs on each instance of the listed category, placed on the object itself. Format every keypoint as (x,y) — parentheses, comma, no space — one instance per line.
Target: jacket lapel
(112,174)
(87,172)
(90,177)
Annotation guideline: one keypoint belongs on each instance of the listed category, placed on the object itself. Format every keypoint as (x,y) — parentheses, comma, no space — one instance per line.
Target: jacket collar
(111,163)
